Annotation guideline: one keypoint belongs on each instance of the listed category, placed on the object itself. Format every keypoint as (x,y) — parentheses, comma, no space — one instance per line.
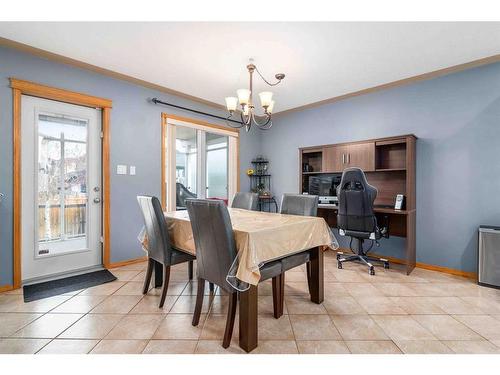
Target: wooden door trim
(47,92)
(19,88)
(164,120)
(166,116)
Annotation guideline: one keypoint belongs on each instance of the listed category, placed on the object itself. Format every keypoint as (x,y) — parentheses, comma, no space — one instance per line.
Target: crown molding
(96,69)
(405,81)
(402,82)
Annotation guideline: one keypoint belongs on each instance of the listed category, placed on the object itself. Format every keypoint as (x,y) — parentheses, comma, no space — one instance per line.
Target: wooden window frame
(21,87)
(164,120)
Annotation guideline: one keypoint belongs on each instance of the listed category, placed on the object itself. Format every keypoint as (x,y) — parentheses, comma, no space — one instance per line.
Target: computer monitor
(324,186)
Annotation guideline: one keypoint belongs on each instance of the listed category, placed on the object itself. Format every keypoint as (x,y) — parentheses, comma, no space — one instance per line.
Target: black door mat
(68,284)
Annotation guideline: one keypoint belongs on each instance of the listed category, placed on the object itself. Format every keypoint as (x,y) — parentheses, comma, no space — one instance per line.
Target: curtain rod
(157,101)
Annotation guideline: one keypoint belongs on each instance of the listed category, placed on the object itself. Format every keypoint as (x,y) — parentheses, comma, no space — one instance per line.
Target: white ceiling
(320,60)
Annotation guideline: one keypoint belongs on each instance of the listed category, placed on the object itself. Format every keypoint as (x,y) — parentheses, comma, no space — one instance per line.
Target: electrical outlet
(132,170)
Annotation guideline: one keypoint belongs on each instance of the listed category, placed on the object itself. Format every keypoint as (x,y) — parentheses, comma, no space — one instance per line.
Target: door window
(61,186)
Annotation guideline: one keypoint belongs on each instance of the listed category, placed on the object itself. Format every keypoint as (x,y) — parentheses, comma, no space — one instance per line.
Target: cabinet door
(361,155)
(334,158)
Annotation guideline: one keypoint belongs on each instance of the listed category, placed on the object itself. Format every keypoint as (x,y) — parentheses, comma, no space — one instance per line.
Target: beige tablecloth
(260,237)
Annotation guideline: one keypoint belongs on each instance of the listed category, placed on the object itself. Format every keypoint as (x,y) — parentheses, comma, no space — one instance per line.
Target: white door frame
(35,266)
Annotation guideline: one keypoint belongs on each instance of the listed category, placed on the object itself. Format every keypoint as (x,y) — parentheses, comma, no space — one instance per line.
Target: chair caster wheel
(372,271)
(386,265)
(339,265)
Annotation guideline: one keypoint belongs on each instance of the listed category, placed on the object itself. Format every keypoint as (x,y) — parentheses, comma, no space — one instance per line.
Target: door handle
(343,158)
(97,200)
(348,158)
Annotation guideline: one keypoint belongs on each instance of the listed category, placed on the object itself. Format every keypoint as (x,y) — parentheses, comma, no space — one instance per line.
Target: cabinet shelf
(390,170)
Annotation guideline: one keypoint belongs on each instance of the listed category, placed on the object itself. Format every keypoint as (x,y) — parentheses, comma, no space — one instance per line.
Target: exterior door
(200,162)
(186,165)
(216,170)
(61,188)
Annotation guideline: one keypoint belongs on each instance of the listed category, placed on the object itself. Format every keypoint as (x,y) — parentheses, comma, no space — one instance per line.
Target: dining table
(260,237)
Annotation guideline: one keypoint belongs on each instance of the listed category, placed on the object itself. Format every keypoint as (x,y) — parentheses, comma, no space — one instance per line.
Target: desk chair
(159,248)
(356,218)
(181,194)
(246,201)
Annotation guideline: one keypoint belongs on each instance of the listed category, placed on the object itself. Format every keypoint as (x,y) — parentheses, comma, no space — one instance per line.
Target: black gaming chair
(181,194)
(356,218)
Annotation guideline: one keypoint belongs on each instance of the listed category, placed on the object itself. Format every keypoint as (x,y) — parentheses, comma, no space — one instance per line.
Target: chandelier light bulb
(231,103)
(243,96)
(266,98)
(270,107)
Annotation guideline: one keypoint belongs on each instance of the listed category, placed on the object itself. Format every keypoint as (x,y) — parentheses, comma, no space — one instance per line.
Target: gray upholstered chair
(215,253)
(247,201)
(299,204)
(302,205)
(356,218)
(159,248)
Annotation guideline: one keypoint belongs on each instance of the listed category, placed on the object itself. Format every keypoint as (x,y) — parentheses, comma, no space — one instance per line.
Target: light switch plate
(132,170)
(121,169)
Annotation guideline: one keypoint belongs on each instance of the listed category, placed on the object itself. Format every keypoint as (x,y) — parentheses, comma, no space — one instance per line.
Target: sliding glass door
(216,155)
(200,162)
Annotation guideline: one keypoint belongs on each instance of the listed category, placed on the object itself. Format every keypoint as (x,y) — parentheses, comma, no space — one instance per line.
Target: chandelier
(245,99)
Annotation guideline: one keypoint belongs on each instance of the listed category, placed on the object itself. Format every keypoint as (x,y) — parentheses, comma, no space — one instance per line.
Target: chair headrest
(354,177)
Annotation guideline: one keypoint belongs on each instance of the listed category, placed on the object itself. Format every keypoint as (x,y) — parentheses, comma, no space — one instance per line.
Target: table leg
(248,319)
(158,275)
(317,277)
(278,293)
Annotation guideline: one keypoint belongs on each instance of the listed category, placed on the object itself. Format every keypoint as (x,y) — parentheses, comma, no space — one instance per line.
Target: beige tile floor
(426,312)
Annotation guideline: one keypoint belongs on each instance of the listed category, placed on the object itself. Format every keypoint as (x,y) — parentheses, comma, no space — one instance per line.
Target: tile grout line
(433,282)
(206,319)
(157,328)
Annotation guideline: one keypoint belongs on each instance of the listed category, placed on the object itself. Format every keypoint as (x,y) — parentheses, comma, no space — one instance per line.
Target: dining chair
(159,248)
(303,205)
(246,201)
(216,252)
(299,204)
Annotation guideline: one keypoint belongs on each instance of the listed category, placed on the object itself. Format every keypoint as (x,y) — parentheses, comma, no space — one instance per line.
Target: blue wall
(135,140)
(457,121)
(456,117)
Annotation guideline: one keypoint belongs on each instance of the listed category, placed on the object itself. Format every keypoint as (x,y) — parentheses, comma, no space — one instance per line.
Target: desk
(401,224)
(389,165)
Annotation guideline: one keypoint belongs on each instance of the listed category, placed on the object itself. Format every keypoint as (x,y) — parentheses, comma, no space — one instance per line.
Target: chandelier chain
(265,80)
